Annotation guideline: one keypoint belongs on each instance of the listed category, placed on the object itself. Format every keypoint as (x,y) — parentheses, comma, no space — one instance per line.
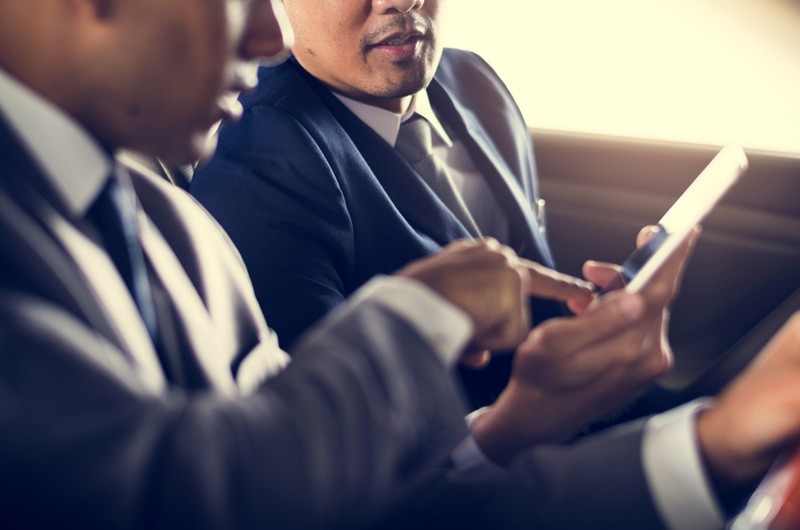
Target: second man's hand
(571,371)
(492,286)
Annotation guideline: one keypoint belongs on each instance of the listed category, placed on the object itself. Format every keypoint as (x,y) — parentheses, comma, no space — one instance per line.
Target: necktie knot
(415,144)
(414,141)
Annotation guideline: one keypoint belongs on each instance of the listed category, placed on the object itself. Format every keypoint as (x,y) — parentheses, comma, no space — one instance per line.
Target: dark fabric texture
(301,173)
(88,441)
(113,215)
(415,145)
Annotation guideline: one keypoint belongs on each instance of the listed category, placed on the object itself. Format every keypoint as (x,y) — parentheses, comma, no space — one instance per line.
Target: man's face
(375,51)
(182,65)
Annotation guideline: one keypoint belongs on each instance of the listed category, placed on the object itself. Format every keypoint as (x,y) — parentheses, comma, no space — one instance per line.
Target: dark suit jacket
(92,433)
(302,174)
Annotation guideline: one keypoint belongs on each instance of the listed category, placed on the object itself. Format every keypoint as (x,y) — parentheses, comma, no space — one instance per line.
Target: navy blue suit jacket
(318,203)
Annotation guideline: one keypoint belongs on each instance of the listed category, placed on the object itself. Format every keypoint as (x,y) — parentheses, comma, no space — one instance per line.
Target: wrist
(493,432)
(515,422)
(731,479)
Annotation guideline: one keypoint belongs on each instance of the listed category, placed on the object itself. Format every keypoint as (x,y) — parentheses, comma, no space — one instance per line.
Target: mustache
(406,22)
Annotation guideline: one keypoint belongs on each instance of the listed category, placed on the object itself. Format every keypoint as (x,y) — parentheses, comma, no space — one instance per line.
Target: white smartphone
(690,208)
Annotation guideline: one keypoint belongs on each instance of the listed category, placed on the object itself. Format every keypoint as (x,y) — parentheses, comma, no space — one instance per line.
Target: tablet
(689,210)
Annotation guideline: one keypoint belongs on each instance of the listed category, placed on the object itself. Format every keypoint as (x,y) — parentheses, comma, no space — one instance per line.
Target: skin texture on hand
(573,370)
(491,285)
(757,416)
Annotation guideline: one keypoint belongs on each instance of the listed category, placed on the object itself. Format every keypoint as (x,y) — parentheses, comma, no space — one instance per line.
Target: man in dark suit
(138,382)
(141,388)
(313,166)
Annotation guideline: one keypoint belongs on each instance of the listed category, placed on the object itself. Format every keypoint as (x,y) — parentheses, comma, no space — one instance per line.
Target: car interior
(602,181)
(744,278)
(627,102)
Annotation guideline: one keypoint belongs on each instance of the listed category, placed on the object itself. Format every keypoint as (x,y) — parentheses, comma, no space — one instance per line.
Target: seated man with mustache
(327,164)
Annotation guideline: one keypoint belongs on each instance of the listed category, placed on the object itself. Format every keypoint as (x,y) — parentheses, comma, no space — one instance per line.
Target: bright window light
(700,71)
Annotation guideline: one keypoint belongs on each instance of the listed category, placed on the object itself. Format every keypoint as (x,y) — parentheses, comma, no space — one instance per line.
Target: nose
(397,6)
(267,34)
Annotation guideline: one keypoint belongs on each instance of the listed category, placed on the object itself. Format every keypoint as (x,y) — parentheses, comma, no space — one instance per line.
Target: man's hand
(571,371)
(757,416)
(491,285)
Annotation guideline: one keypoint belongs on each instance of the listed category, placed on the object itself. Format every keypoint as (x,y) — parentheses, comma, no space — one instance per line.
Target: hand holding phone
(689,210)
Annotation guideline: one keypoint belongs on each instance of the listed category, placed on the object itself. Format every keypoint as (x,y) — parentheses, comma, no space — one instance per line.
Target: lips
(399,39)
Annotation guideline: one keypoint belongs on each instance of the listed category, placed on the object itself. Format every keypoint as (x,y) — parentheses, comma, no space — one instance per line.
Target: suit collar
(70,160)
(386,124)
(68,266)
(195,331)
(529,238)
(195,325)
(408,192)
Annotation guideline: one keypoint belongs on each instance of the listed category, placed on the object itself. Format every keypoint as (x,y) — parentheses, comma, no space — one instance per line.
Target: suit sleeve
(273,191)
(332,439)
(597,483)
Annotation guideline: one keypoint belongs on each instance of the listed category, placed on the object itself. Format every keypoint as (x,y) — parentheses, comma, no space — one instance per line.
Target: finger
(578,306)
(645,234)
(508,333)
(657,358)
(615,313)
(600,273)
(631,357)
(663,287)
(476,360)
(505,336)
(547,283)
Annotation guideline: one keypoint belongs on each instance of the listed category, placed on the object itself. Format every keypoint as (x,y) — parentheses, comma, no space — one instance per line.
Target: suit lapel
(527,229)
(193,328)
(70,267)
(405,188)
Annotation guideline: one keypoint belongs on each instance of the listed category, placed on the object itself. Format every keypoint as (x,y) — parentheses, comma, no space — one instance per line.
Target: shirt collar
(71,160)
(387,124)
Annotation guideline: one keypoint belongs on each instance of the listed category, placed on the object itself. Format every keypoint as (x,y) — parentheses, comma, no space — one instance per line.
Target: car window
(700,71)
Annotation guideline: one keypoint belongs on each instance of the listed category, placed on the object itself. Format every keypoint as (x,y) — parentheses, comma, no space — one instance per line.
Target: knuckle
(490,242)
(544,337)
(655,366)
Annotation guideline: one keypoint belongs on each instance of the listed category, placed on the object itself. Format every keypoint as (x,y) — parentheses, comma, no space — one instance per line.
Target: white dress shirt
(72,161)
(451,152)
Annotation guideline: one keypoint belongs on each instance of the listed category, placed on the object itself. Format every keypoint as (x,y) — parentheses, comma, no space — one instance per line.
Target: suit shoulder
(280,87)
(456,64)
(170,207)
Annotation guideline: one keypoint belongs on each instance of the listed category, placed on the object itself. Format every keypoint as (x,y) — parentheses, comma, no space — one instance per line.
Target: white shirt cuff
(467,457)
(675,473)
(443,325)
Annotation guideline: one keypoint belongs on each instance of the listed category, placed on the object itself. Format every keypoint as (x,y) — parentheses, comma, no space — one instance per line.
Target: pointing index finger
(547,283)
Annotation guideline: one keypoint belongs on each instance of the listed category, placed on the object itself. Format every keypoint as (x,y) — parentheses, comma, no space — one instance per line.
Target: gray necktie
(415,145)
